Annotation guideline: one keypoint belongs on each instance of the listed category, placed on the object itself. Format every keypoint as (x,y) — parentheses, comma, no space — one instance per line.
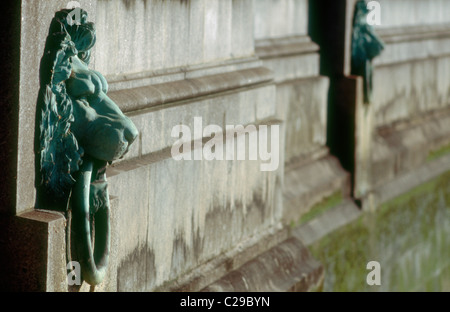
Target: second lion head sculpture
(81,131)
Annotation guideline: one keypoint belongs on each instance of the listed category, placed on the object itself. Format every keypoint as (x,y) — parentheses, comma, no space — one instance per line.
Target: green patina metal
(366,45)
(81,131)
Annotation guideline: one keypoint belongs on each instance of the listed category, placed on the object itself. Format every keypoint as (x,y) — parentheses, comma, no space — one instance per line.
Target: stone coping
(414,33)
(285,46)
(163,93)
(288,266)
(148,159)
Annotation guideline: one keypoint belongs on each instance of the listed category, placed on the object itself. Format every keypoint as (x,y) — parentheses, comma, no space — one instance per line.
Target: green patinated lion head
(78,118)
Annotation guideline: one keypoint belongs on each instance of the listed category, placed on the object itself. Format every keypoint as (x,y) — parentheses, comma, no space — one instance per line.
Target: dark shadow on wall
(9,108)
(327,29)
(9,100)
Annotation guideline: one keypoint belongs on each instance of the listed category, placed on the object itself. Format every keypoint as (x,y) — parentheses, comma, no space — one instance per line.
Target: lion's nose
(130,133)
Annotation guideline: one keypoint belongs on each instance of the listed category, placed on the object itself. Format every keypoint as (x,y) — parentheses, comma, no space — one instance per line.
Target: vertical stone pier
(282,41)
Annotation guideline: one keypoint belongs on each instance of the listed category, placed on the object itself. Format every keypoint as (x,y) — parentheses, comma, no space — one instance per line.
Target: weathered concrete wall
(186,212)
(168,62)
(142,36)
(408,117)
(284,46)
(413,12)
(189,59)
(416,59)
(33,252)
(195,212)
(278,19)
(226,224)
(418,87)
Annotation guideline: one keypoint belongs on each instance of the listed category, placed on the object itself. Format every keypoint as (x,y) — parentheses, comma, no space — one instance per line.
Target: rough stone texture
(311,175)
(401,150)
(275,18)
(185,89)
(413,89)
(294,66)
(36,240)
(415,60)
(303,105)
(191,73)
(291,57)
(155,125)
(173,217)
(192,225)
(192,212)
(311,182)
(363,137)
(211,271)
(413,12)
(413,43)
(286,267)
(145,35)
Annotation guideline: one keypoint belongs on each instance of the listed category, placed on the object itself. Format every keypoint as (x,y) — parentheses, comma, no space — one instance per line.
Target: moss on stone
(409,236)
(321,207)
(432,155)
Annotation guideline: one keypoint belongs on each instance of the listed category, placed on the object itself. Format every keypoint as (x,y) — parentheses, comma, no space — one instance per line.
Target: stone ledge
(405,182)
(327,222)
(288,266)
(406,145)
(290,58)
(217,268)
(153,95)
(286,46)
(302,104)
(163,196)
(304,160)
(157,156)
(146,78)
(408,44)
(405,124)
(414,33)
(312,182)
(243,106)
